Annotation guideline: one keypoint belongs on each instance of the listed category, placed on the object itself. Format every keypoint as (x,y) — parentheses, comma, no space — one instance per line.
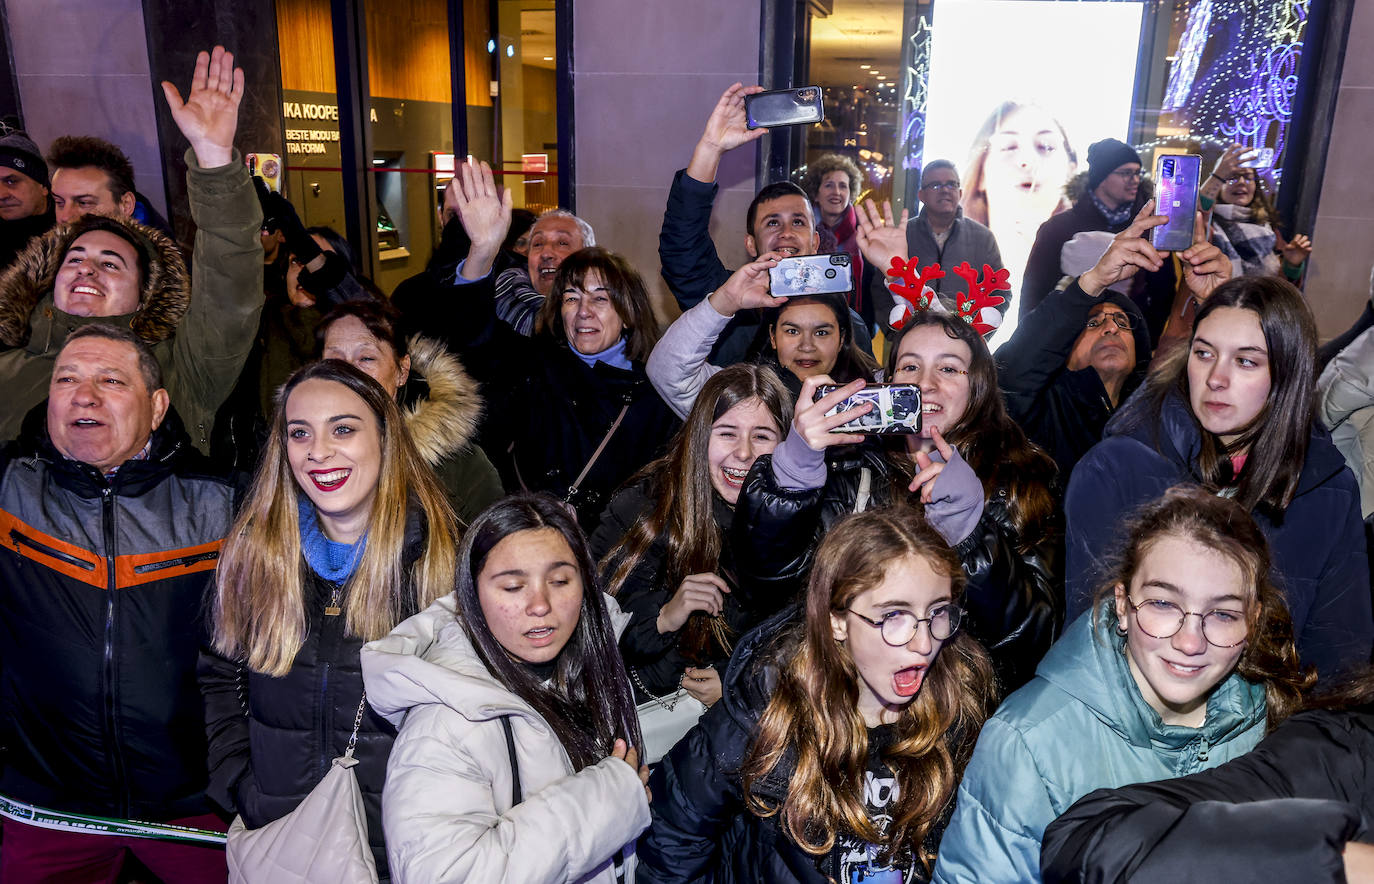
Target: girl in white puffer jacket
(517,755)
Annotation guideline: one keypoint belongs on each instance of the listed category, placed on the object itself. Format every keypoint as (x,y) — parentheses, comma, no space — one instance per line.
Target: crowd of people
(559,594)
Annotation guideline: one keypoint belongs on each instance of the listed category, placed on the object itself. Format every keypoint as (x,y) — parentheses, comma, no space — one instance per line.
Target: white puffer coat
(447,808)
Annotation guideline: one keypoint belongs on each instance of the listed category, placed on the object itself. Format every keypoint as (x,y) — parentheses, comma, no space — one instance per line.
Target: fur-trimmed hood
(163,300)
(445,421)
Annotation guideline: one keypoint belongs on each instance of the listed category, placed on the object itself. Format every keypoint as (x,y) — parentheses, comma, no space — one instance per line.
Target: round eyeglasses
(1160,619)
(1122,321)
(899,627)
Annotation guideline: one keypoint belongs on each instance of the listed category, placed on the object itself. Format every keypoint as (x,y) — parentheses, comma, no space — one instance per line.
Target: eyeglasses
(899,627)
(1239,179)
(1160,619)
(1122,321)
(941,185)
(1129,174)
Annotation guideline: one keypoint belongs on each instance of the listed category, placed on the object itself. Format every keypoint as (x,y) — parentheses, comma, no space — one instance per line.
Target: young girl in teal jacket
(1185,660)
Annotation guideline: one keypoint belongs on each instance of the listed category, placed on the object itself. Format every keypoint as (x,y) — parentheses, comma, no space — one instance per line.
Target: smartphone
(784,107)
(268,165)
(1260,158)
(1176,188)
(811,275)
(896,409)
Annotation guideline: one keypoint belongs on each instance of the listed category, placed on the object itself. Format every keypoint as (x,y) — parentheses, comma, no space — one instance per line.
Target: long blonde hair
(814,712)
(259,608)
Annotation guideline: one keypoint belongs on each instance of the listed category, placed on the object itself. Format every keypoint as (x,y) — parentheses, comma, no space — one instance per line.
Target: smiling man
(779,218)
(112,527)
(109,268)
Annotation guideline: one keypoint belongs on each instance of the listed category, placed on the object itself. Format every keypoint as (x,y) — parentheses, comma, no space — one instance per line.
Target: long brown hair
(626,288)
(683,513)
(987,438)
(814,711)
(1270,657)
(259,608)
(1278,436)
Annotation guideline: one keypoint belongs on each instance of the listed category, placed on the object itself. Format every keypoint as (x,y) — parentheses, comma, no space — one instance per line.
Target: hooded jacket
(448,807)
(1317,543)
(1064,411)
(1080,724)
(443,422)
(103,585)
(1283,812)
(200,326)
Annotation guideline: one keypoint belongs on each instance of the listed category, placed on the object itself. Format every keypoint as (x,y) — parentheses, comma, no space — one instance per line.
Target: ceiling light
(864,67)
(548,58)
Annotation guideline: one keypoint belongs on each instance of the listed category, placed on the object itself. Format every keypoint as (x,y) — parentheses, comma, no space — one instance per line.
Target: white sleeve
(678,368)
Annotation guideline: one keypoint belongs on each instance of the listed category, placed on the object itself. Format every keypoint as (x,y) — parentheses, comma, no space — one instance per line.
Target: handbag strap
(357,722)
(605,440)
(516,796)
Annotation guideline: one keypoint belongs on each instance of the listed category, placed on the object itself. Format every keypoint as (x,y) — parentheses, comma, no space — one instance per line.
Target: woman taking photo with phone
(1244,220)
(344,534)
(807,335)
(518,753)
(1185,659)
(981,484)
(844,726)
(667,549)
(1234,411)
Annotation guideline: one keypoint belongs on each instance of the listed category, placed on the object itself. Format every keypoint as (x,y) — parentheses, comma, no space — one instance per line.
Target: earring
(1120,630)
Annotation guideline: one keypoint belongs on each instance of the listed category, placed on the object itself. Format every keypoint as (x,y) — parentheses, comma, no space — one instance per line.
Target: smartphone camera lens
(830,273)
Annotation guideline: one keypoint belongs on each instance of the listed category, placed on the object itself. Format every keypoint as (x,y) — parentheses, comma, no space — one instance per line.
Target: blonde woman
(345,533)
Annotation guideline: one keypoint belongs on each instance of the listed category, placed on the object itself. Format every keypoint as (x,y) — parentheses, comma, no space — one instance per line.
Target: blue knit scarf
(613,355)
(334,562)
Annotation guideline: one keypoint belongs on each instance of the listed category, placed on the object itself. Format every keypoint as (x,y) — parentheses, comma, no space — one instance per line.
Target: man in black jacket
(110,528)
(25,209)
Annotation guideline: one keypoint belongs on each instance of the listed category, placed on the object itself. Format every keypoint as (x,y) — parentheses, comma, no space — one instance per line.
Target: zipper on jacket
(183,562)
(107,505)
(22,540)
(326,717)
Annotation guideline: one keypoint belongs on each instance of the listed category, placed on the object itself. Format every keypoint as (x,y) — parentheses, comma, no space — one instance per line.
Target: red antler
(912,283)
(980,294)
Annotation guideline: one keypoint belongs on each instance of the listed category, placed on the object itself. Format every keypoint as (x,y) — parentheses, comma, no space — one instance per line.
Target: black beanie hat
(1105,157)
(18,152)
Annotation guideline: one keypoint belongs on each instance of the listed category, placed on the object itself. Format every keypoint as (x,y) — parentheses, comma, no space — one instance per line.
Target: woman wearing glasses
(1185,659)
(835,751)
(1233,410)
(1244,219)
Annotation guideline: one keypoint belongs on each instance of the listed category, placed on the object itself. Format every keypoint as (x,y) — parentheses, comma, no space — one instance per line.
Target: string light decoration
(1233,78)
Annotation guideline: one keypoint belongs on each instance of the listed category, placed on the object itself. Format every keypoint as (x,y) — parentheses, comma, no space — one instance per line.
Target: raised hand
(726,129)
(814,426)
(697,592)
(209,116)
(1127,255)
(747,287)
(1207,267)
(1296,250)
(950,490)
(484,212)
(1228,166)
(880,236)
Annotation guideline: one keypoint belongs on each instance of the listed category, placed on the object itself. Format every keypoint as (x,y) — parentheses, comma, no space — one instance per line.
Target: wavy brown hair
(624,285)
(814,712)
(1191,512)
(260,597)
(987,438)
(683,512)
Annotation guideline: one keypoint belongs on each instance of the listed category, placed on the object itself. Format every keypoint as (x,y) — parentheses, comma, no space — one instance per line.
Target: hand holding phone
(811,275)
(784,107)
(896,408)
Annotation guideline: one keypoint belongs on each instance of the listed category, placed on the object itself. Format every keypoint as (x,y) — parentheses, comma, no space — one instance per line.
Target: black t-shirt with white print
(855,861)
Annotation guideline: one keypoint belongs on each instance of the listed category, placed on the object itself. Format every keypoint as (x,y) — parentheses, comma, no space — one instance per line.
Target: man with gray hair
(941,233)
(520,293)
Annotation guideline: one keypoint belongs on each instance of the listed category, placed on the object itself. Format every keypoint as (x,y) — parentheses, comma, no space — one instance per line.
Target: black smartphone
(896,409)
(811,275)
(784,107)
(1176,189)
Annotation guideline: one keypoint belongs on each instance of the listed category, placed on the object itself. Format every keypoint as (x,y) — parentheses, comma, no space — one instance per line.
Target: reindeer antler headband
(977,307)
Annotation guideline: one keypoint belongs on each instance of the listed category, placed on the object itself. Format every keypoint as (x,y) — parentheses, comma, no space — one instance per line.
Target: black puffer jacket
(1282,812)
(655,657)
(702,830)
(272,739)
(103,583)
(1015,582)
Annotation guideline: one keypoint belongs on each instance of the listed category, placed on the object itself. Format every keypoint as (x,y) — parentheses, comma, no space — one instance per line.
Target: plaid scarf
(1249,245)
(1119,218)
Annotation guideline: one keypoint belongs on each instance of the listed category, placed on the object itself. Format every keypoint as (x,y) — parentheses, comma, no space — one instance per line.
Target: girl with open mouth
(845,724)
